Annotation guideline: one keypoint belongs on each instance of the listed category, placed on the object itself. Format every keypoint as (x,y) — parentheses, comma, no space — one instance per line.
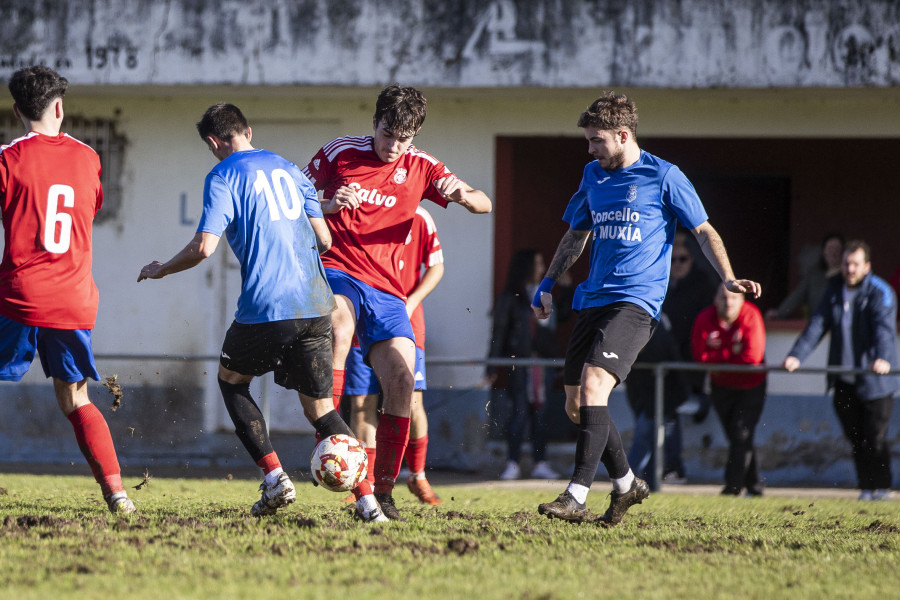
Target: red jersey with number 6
(367,242)
(49,194)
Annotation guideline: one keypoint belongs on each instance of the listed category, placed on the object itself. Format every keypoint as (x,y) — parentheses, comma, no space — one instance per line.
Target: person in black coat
(516,333)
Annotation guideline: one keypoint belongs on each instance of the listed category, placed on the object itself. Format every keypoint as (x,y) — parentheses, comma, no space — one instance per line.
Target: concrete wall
(655,43)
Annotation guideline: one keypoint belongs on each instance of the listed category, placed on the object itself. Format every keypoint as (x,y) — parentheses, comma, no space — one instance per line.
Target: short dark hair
(34,88)
(611,112)
(223,121)
(854,245)
(401,110)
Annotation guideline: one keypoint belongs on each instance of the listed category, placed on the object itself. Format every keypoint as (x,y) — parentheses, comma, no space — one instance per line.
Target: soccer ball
(339,463)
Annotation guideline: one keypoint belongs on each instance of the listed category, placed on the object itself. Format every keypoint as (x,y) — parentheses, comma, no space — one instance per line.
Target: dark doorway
(752,214)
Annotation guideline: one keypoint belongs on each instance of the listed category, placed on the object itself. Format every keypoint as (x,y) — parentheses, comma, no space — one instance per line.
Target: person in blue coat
(859,309)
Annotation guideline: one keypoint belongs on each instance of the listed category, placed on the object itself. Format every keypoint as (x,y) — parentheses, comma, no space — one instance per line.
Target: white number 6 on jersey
(53,217)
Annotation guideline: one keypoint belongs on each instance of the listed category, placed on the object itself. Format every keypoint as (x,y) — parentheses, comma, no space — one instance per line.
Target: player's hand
(410,308)
(451,188)
(881,366)
(546,308)
(344,197)
(791,363)
(542,303)
(151,271)
(573,411)
(744,286)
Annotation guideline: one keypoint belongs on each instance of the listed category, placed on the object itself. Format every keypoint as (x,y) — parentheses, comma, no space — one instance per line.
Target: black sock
(249,424)
(592,435)
(614,458)
(330,424)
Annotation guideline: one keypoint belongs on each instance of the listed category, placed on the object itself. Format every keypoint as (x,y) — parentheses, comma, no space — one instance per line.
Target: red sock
(415,454)
(362,489)
(96,444)
(366,486)
(337,388)
(390,440)
(371,453)
(269,463)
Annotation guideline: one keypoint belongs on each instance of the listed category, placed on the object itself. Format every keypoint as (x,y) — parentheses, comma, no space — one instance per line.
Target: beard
(614,162)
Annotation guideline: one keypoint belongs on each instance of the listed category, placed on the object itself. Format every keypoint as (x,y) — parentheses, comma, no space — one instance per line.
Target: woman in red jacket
(732,332)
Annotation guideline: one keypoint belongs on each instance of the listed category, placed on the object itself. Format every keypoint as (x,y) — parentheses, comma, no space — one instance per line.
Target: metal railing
(659,370)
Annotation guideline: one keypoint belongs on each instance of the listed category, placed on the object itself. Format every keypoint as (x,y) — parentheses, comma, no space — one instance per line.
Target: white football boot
(275,496)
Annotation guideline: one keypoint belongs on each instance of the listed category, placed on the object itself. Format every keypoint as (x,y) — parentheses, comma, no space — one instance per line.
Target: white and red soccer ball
(339,463)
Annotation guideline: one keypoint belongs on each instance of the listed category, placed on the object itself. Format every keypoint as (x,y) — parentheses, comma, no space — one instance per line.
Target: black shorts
(299,351)
(609,337)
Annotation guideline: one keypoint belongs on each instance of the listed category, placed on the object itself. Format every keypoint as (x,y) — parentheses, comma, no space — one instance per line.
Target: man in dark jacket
(860,311)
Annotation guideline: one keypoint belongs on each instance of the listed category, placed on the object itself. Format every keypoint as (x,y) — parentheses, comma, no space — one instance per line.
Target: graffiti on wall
(577,43)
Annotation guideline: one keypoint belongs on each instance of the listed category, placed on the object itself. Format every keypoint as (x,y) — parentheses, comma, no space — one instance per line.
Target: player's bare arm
(429,281)
(456,190)
(344,197)
(567,252)
(323,234)
(199,249)
(714,250)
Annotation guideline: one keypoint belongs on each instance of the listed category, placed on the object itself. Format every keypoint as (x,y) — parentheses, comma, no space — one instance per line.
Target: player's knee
(400,382)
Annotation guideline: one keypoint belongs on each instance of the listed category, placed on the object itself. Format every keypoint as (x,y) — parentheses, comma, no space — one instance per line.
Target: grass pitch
(195,539)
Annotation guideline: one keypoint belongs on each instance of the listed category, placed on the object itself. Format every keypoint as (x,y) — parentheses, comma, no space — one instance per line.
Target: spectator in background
(810,289)
(641,393)
(691,289)
(517,333)
(859,309)
(731,332)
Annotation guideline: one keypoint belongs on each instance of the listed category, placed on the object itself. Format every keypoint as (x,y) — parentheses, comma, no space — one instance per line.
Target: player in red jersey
(49,194)
(421,269)
(371,187)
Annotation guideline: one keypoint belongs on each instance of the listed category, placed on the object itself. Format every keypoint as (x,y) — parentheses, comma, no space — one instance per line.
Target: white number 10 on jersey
(281,180)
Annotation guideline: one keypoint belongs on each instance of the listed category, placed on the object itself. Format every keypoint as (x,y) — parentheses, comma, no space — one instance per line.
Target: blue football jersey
(632,213)
(262,202)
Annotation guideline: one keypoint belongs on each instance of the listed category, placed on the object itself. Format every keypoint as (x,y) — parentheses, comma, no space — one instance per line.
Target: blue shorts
(65,354)
(360,379)
(379,316)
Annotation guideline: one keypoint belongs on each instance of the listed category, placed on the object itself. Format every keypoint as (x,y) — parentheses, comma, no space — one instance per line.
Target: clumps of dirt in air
(115,389)
(146,480)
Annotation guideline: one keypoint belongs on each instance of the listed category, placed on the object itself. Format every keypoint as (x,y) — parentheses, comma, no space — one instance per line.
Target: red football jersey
(422,250)
(50,192)
(367,243)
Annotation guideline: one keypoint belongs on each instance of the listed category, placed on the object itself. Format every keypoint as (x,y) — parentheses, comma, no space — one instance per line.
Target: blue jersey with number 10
(262,202)
(632,213)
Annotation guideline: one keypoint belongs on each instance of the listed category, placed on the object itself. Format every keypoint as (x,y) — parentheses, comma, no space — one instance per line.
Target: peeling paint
(499,43)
